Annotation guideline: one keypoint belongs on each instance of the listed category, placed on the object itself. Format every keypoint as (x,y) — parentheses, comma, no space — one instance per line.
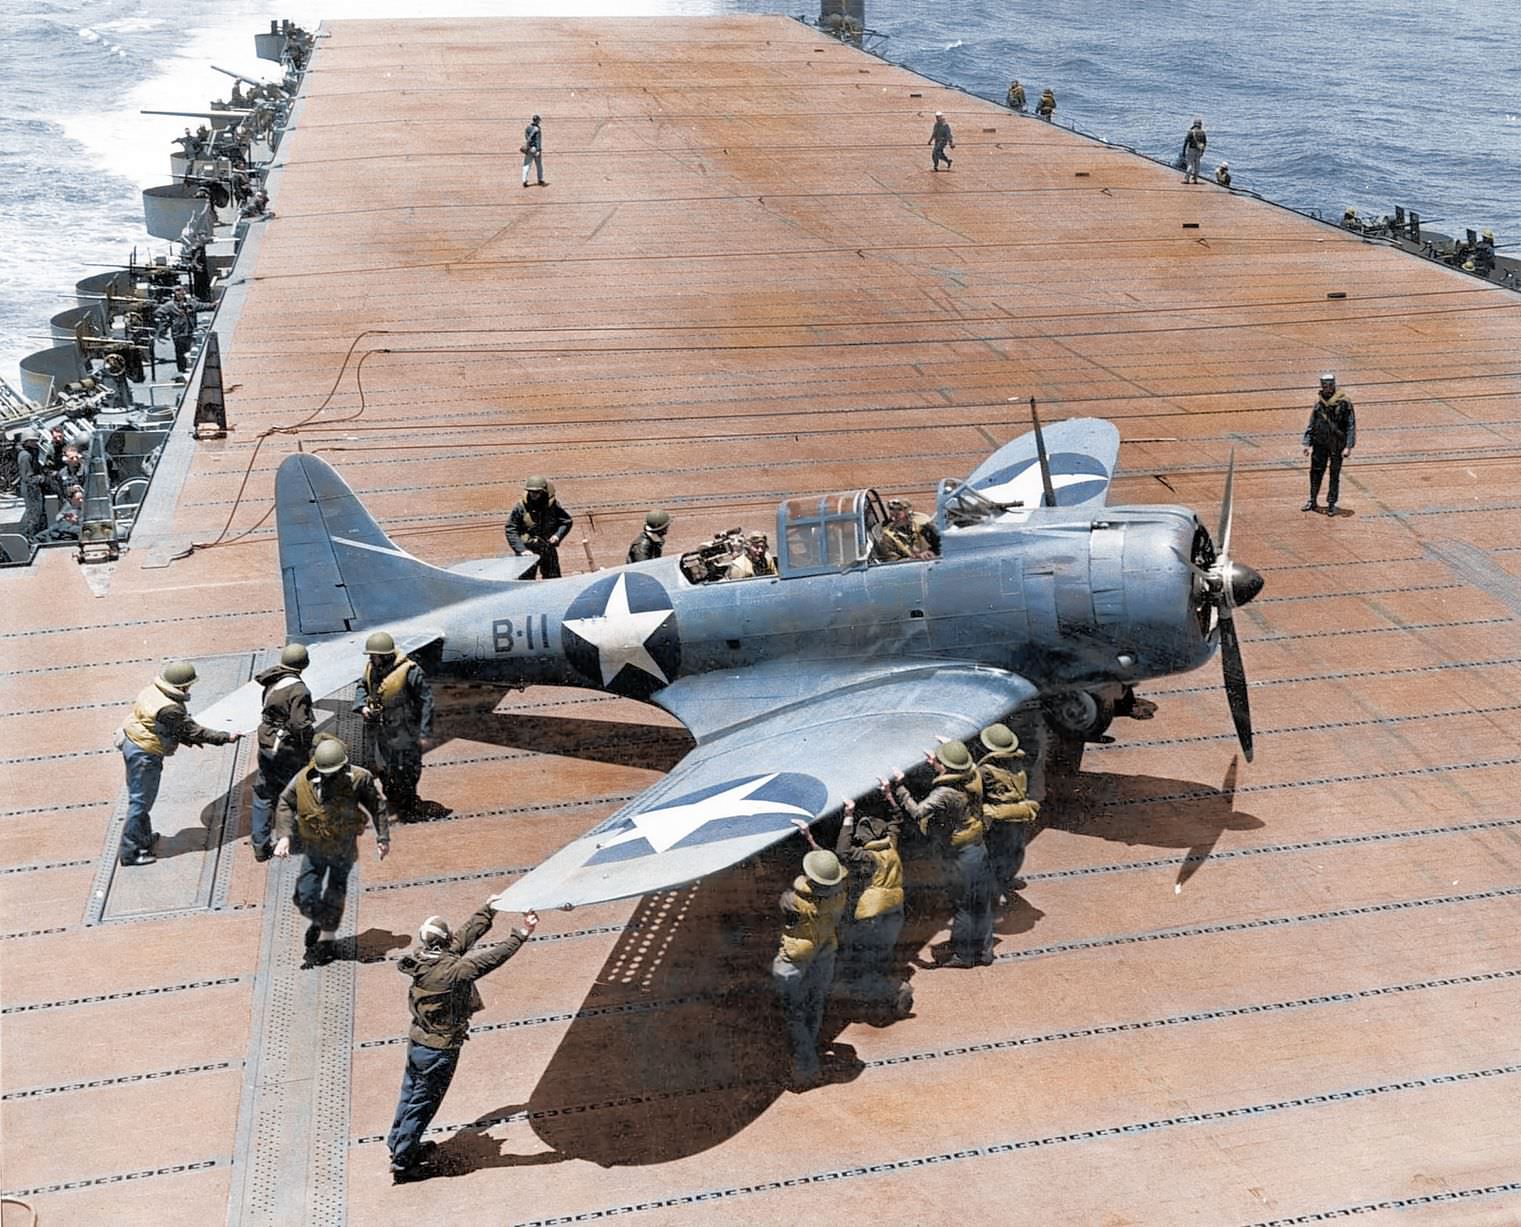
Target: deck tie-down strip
(293,1118)
(708,1197)
(999,1045)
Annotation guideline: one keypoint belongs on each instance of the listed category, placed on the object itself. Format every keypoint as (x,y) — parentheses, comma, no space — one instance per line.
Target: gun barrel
(237,75)
(224,113)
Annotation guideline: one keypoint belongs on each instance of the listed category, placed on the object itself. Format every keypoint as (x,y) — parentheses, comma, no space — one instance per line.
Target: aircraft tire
(1077,713)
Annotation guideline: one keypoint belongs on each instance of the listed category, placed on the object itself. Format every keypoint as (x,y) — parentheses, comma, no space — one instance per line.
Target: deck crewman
(1016,98)
(321,814)
(650,543)
(1046,107)
(285,740)
(536,525)
(868,847)
(1328,439)
(951,817)
(940,137)
(158,725)
(443,969)
(803,970)
(532,150)
(396,702)
(31,482)
(1194,142)
(1008,814)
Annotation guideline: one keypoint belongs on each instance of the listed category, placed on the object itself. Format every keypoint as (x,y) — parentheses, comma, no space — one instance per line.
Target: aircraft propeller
(1230,585)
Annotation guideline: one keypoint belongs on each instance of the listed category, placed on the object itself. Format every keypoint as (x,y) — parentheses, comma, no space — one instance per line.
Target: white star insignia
(619,636)
(666,827)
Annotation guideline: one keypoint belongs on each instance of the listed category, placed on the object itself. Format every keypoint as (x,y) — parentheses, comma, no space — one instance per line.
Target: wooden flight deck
(1230,994)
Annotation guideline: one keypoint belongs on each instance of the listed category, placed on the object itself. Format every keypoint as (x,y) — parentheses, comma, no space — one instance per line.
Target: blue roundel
(1075,478)
(744,807)
(620,633)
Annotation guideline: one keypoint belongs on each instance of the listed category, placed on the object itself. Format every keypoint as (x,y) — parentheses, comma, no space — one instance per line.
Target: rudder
(340,572)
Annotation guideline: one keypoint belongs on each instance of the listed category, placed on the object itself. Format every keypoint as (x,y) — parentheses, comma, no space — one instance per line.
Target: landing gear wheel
(1078,714)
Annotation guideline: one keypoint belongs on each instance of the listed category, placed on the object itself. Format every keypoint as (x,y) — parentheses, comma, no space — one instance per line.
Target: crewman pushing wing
(951,816)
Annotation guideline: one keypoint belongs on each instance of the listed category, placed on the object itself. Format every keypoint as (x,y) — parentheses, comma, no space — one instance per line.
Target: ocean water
(1369,103)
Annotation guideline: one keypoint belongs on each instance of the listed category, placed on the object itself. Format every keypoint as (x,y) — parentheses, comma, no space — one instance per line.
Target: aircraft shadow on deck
(679,1044)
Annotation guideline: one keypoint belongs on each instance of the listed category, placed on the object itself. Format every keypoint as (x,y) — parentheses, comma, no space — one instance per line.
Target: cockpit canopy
(817,534)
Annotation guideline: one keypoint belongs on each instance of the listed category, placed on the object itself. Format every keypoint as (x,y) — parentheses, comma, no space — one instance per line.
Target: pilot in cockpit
(907,534)
(756,560)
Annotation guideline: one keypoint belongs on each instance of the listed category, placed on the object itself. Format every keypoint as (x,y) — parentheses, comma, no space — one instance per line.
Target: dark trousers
(275,772)
(866,957)
(182,348)
(938,154)
(323,888)
(144,771)
(804,991)
(1006,851)
(34,513)
(548,566)
(400,769)
(423,1086)
(972,897)
(1319,456)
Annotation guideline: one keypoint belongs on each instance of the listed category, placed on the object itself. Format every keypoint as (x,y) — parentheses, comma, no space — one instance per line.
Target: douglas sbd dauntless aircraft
(800,689)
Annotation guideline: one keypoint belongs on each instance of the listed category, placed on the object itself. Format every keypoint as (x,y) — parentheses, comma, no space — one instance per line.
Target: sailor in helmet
(650,543)
(321,814)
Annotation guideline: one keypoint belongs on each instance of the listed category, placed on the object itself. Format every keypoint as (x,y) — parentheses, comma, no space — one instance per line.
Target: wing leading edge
(739,790)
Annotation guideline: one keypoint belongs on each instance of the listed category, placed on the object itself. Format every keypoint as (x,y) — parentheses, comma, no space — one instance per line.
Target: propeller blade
(1235,680)
(1048,498)
(1223,537)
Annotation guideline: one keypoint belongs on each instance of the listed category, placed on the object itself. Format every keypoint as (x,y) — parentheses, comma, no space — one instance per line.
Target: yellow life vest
(391,690)
(142,725)
(1004,790)
(333,822)
(817,925)
(972,828)
(884,893)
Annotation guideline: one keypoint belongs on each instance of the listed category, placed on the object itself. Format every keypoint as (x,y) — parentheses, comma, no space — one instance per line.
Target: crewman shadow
(679,1044)
(1156,812)
(473,1149)
(373,945)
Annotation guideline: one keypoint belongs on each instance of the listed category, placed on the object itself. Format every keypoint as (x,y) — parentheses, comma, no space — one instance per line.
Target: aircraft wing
(771,747)
(334,664)
(1082,453)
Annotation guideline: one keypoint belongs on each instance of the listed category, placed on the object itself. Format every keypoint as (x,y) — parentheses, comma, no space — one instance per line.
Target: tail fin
(341,572)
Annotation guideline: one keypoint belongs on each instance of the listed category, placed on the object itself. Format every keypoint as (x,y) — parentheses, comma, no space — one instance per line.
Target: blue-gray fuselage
(1066,598)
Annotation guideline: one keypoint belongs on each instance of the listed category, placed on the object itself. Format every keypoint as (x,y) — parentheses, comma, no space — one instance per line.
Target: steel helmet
(295,656)
(379,643)
(29,434)
(1328,377)
(954,755)
(536,483)
(434,931)
(1000,737)
(179,673)
(824,868)
(331,757)
(657,521)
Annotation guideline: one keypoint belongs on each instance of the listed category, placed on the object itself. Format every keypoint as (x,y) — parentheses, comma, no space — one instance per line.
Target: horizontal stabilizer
(334,664)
